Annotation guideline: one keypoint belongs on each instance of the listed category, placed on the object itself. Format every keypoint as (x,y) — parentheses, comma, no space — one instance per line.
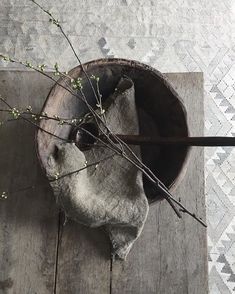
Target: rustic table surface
(38,255)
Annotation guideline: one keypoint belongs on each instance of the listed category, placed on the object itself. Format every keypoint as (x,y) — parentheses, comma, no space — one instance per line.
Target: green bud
(57,176)
(29,108)
(56,67)
(4,195)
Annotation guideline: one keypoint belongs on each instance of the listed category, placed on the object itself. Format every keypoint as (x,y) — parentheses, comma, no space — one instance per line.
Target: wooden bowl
(160,111)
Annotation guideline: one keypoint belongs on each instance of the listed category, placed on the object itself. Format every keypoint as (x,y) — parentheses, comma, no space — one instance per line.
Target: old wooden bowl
(160,110)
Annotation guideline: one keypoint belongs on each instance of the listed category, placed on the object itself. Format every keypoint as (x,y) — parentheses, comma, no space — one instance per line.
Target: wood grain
(28,220)
(29,239)
(170,256)
(83,261)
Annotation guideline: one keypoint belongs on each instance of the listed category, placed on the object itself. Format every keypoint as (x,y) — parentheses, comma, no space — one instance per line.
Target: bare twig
(81,169)
(29,121)
(23,189)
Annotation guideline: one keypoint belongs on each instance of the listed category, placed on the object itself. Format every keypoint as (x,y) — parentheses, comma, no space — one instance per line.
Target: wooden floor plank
(83,261)
(28,219)
(170,257)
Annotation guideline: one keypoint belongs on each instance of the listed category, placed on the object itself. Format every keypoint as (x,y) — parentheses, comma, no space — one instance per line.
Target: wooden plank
(171,254)
(83,261)
(29,244)
(28,219)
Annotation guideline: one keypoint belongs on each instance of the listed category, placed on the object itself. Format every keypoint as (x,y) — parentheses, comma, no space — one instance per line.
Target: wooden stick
(179,141)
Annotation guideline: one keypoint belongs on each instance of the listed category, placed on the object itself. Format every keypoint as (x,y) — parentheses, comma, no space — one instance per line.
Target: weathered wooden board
(28,219)
(169,257)
(83,261)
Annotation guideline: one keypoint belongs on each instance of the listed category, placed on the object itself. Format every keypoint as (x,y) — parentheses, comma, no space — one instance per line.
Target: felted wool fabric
(110,194)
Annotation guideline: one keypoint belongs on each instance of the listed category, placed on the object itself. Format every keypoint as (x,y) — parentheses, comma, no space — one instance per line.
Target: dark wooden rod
(179,141)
